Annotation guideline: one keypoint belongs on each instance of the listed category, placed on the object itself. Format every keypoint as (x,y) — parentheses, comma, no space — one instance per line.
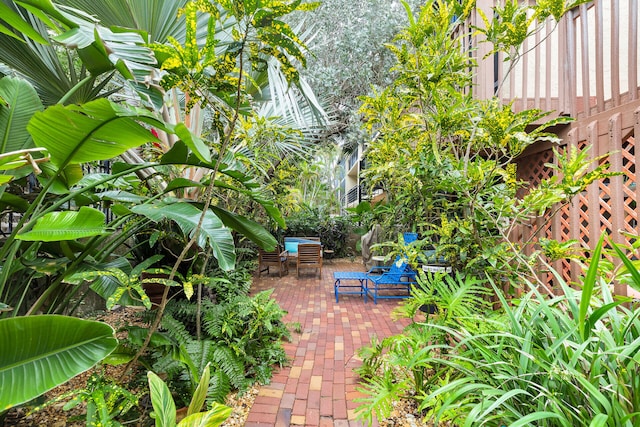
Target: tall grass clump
(543,360)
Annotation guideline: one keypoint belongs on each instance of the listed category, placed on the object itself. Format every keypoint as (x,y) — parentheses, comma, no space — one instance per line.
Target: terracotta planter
(154,290)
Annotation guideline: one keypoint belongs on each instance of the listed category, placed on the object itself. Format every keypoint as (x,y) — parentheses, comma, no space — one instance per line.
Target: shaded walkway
(319,386)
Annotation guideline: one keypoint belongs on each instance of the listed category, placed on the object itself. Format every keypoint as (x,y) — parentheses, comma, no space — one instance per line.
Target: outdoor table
(340,276)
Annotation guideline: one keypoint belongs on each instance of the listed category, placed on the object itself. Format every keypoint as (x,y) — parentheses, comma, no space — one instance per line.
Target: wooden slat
(636,132)
(525,73)
(574,214)
(599,56)
(512,80)
(538,68)
(633,51)
(615,52)
(616,182)
(617,193)
(593,192)
(549,69)
(584,27)
(568,102)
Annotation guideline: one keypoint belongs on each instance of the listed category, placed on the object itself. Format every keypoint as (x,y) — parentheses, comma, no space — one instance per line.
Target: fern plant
(241,340)
(411,364)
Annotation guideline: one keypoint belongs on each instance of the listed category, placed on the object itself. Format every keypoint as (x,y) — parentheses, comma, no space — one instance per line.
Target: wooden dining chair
(275,258)
(309,256)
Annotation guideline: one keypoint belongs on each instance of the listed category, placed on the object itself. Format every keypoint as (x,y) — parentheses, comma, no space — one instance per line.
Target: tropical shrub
(105,401)
(402,366)
(445,159)
(240,337)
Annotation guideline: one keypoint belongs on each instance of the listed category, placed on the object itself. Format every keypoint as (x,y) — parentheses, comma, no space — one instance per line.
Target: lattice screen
(605,196)
(564,235)
(583,210)
(629,188)
(532,169)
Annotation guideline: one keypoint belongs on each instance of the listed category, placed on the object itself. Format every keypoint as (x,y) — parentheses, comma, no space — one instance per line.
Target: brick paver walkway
(319,386)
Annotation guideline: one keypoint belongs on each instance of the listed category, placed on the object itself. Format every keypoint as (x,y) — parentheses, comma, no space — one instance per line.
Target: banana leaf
(38,353)
(71,225)
(99,130)
(20,102)
(187,216)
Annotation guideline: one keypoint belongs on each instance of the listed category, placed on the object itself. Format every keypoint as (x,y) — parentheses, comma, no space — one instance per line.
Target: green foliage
(241,340)
(49,348)
(105,400)
(101,128)
(351,34)
(380,404)
(446,160)
(542,361)
(333,231)
(513,22)
(165,409)
(258,34)
(406,361)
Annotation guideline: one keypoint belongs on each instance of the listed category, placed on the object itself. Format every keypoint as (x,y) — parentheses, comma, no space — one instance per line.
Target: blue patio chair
(396,276)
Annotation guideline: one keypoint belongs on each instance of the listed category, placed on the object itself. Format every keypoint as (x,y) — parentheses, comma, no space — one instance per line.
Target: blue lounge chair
(397,276)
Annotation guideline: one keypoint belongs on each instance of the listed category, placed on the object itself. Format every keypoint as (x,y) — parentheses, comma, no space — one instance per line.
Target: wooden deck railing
(586,64)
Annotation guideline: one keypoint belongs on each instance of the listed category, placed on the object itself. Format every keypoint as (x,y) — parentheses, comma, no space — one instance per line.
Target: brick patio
(319,386)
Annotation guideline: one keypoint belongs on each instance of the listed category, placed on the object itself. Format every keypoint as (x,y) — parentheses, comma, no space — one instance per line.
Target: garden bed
(55,416)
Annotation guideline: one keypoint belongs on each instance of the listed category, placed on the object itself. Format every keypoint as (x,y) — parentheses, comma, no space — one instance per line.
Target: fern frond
(381,391)
(213,322)
(176,330)
(219,387)
(201,353)
(462,296)
(226,360)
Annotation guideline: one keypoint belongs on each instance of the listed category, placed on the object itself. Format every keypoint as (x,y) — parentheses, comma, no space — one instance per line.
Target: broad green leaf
(200,395)
(248,228)
(17,204)
(197,146)
(121,196)
(587,289)
(119,356)
(138,269)
(38,353)
(98,130)
(187,217)
(63,179)
(69,225)
(212,418)
(182,183)
(16,21)
(164,408)
(599,420)
(22,103)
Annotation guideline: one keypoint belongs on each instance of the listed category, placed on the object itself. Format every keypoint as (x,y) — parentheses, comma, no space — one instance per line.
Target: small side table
(328,252)
(378,259)
(436,268)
